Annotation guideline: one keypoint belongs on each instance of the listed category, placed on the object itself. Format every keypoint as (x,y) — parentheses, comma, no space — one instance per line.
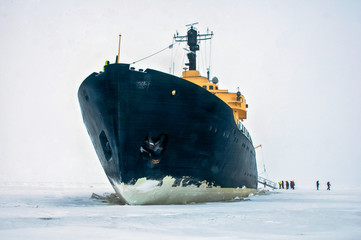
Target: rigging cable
(202,58)
(170,47)
(174,56)
(205,55)
(171,59)
(210,57)
(184,55)
(264,165)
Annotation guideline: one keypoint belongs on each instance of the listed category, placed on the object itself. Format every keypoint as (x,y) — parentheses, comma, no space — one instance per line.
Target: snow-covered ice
(67,211)
(154,192)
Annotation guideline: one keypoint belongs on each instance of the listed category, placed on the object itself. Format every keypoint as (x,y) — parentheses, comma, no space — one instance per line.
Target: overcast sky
(298,63)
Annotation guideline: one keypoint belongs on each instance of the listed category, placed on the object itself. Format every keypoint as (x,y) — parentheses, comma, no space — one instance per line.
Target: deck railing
(267,182)
(244,130)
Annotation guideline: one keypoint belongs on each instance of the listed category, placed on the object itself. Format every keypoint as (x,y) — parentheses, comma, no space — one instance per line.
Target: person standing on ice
(287,185)
(293,185)
(283,184)
(317,184)
(328,186)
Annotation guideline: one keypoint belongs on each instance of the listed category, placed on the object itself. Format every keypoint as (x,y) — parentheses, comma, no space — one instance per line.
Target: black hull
(140,129)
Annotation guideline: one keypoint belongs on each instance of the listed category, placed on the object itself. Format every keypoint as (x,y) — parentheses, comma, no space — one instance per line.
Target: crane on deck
(263,180)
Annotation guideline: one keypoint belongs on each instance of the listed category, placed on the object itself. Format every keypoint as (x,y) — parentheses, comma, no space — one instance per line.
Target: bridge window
(210,87)
(216,88)
(204,86)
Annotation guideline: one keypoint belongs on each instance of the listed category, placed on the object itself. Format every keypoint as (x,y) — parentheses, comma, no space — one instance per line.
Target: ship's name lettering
(143,84)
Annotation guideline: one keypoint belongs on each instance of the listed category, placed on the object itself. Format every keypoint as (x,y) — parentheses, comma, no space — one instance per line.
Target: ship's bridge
(235,100)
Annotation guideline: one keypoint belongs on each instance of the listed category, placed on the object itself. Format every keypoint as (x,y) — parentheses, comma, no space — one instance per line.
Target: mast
(192,38)
(118,56)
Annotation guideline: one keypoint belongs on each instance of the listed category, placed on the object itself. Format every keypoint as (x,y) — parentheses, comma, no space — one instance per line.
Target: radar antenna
(191,24)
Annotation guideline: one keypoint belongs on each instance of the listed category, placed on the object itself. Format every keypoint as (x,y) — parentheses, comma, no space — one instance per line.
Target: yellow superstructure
(236,101)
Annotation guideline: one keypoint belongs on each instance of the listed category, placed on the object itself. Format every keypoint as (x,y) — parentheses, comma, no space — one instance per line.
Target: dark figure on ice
(328,186)
(317,184)
(287,185)
(283,185)
(293,185)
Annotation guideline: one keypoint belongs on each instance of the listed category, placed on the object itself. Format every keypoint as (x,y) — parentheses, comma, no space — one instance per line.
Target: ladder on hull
(267,182)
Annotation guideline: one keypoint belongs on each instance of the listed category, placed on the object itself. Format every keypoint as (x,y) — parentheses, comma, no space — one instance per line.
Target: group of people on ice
(290,184)
(318,185)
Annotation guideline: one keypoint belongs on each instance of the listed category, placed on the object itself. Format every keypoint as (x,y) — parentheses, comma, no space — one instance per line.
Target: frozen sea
(67,211)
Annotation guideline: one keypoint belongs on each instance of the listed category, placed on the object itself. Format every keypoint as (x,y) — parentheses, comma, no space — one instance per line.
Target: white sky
(298,63)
